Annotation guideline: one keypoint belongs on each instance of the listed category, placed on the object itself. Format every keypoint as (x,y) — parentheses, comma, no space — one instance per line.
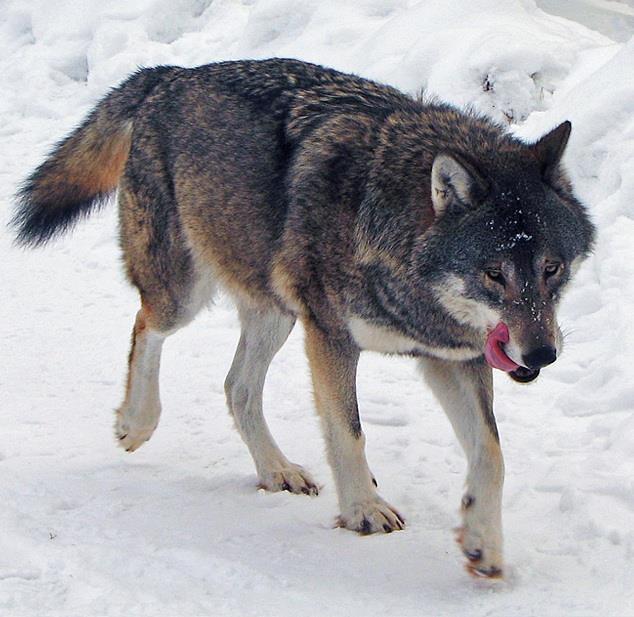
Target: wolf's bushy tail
(84,168)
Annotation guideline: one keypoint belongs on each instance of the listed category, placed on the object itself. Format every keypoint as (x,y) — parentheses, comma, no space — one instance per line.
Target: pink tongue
(493,351)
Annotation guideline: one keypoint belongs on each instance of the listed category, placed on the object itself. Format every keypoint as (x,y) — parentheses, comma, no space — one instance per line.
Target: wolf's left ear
(550,148)
(454,181)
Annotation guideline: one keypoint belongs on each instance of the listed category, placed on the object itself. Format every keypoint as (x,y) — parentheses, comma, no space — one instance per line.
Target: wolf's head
(507,238)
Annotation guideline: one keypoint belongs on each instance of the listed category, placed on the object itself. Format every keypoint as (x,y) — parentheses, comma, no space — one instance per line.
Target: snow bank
(178,527)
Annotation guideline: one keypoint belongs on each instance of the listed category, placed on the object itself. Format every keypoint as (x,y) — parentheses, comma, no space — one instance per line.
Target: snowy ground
(179,528)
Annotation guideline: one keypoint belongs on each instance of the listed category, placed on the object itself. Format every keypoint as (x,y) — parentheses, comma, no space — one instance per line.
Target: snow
(179,528)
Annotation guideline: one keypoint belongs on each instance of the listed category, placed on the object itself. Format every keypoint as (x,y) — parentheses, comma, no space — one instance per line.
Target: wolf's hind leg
(465,390)
(139,414)
(162,313)
(263,333)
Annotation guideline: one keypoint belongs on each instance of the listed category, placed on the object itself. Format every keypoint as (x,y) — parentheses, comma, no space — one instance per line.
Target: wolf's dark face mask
(512,236)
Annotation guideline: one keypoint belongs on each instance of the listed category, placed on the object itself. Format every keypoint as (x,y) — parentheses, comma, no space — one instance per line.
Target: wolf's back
(84,168)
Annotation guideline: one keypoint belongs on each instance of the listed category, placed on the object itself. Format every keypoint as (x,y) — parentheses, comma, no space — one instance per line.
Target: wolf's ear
(454,181)
(550,148)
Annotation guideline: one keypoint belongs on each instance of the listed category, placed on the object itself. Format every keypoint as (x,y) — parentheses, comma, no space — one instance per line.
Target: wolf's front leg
(465,390)
(333,363)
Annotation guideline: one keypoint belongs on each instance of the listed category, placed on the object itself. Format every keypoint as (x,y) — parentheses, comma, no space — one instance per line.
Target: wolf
(381,221)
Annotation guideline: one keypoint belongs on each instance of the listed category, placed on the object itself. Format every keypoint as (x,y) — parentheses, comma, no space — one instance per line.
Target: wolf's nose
(542,356)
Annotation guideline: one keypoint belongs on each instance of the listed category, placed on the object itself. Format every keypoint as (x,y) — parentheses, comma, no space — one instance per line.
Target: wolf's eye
(495,275)
(550,269)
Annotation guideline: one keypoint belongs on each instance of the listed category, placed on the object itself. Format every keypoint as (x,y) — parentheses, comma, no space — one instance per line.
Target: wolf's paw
(373,516)
(131,438)
(483,558)
(291,478)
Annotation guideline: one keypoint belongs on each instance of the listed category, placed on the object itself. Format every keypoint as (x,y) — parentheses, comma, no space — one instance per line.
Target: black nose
(542,356)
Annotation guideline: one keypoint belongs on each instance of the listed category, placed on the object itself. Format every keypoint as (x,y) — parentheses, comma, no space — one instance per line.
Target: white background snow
(179,528)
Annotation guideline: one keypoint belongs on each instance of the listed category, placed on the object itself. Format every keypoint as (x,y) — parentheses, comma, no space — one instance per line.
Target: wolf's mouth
(497,357)
(524,375)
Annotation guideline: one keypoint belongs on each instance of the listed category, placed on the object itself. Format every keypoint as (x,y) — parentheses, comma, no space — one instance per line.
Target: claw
(491,573)
(474,555)
(366,527)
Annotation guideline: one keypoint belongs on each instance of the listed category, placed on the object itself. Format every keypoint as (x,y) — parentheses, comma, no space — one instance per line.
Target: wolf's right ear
(550,149)
(454,181)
